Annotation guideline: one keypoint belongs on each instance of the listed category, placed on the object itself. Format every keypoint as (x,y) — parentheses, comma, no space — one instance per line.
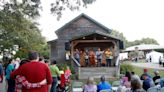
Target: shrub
(125,67)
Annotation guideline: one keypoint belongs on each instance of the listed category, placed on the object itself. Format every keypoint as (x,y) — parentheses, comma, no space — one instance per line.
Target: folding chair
(153,89)
(106,90)
(115,85)
(162,90)
(77,87)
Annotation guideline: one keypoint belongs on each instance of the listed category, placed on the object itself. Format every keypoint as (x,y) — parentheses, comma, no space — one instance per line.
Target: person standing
(55,73)
(109,56)
(16,63)
(77,55)
(92,57)
(1,72)
(99,56)
(20,81)
(82,58)
(34,72)
(86,54)
(9,70)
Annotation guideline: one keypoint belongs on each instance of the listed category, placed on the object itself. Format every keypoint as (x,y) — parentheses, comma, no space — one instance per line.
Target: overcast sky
(134,18)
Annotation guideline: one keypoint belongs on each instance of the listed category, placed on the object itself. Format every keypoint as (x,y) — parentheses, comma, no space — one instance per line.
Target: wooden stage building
(83,32)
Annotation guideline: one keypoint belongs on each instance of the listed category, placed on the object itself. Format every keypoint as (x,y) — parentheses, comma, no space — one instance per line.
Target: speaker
(121,45)
(67,46)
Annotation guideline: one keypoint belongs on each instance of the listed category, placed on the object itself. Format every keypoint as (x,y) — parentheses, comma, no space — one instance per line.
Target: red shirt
(34,73)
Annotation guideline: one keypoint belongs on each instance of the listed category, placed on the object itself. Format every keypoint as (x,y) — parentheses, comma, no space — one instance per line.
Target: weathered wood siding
(78,28)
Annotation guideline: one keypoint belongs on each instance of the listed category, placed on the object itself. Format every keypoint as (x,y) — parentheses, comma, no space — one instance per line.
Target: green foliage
(125,67)
(127,43)
(17,30)
(64,67)
(31,8)
(119,35)
(58,6)
(142,41)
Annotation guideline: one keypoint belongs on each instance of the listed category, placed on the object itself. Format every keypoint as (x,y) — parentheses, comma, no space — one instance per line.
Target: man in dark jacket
(147,82)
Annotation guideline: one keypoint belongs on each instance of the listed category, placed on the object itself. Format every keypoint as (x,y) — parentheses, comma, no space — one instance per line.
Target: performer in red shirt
(34,72)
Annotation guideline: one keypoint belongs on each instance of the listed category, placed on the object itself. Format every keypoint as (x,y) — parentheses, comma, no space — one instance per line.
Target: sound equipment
(67,46)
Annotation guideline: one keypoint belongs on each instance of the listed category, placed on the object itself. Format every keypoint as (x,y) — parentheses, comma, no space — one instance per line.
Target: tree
(143,41)
(59,6)
(127,43)
(31,8)
(20,31)
(119,35)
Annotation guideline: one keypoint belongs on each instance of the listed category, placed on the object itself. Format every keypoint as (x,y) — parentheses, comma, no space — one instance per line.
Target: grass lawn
(139,71)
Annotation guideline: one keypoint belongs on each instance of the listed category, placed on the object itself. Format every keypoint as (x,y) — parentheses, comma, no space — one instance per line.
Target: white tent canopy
(154,56)
(123,56)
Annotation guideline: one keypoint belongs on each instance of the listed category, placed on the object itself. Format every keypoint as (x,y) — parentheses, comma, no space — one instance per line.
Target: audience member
(55,73)
(20,81)
(34,72)
(145,71)
(133,75)
(103,85)
(125,82)
(16,63)
(1,72)
(67,74)
(136,85)
(156,78)
(41,59)
(9,70)
(128,75)
(90,86)
(47,62)
(147,82)
(162,82)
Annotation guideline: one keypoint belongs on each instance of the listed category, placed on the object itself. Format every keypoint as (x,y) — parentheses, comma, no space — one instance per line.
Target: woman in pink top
(67,74)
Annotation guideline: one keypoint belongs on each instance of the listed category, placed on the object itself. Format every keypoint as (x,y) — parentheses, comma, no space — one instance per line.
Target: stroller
(63,85)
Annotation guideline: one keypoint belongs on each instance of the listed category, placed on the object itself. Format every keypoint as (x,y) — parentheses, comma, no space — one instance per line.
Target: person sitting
(103,85)
(156,78)
(125,82)
(147,82)
(136,85)
(145,71)
(162,82)
(90,86)
(133,75)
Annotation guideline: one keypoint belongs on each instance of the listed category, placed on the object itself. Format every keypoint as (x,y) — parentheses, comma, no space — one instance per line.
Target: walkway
(148,65)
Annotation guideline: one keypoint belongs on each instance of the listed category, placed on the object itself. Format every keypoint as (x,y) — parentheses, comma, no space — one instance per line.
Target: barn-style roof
(88,18)
(95,32)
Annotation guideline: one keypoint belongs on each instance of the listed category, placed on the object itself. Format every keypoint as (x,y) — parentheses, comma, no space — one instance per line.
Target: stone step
(96,72)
